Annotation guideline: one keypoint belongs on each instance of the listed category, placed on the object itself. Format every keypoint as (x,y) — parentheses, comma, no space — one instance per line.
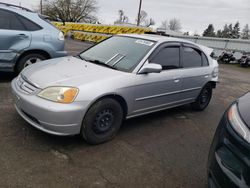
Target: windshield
(121,53)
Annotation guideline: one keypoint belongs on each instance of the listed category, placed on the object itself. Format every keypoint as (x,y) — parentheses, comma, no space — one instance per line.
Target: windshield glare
(122,53)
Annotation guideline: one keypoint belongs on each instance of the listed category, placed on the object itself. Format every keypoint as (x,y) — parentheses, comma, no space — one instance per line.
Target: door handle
(206,76)
(176,80)
(23,35)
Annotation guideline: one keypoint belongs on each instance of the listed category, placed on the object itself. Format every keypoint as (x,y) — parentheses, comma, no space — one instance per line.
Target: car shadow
(6,76)
(146,120)
(128,127)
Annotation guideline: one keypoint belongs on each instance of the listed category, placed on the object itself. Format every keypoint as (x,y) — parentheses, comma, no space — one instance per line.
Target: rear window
(30,26)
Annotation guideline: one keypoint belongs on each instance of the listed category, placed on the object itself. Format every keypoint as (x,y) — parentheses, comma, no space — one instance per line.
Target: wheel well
(32,52)
(213,84)
(120,100)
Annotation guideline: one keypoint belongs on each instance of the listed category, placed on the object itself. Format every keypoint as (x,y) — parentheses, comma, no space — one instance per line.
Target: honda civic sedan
(229,157)
(122,77)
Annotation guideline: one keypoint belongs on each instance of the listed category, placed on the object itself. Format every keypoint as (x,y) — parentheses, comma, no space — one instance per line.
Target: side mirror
(150,68)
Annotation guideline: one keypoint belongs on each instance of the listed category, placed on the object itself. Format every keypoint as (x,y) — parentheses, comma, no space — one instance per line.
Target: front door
(155,91)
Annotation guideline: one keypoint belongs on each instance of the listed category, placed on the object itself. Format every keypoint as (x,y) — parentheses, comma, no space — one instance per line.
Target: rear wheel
(102,121)
(204,98)
(29,60)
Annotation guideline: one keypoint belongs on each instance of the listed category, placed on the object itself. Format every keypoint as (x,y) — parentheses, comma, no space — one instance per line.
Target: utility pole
(41,6)
(139,14)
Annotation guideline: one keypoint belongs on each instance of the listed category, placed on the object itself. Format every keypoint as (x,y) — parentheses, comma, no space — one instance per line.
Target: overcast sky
(194,15)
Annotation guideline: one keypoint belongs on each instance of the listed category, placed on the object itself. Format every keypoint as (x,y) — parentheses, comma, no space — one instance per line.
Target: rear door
(14,37)
(195,72)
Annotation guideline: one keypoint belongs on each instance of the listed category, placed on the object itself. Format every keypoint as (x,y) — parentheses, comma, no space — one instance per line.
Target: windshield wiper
(79,56)
(98,62)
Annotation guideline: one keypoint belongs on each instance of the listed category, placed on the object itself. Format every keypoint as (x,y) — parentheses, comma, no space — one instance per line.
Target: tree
(236,31)
(164,24)
(245,32)
(209,32)
(174,24)
(71,10)
(225,32)
(149,22)
(143,19)
(230,31)
(122,18)
(219,34)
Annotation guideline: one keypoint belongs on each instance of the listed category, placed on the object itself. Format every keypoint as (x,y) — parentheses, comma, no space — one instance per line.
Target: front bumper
(50,117)
(229,159)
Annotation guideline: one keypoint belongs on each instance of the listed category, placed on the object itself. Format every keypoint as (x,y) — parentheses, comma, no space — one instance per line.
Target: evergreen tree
(236,31)
(209,32)
(245,32)
(219,34)
(225,32)
(230,31)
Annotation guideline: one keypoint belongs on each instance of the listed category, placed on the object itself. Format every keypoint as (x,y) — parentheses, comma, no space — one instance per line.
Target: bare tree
(174,24)
(164,24)
(143,16)
(143,19)
(71,10)
(122,18)
(149,22)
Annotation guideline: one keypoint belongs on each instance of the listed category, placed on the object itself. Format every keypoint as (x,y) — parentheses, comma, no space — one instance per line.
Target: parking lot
(164,149)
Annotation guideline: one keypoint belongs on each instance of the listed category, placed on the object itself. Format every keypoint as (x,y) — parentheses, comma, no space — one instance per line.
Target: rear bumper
(59,54)
(47,116)
(229,161)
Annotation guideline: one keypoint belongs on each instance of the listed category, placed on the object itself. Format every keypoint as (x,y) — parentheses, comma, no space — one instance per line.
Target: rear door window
(191,57)
(10,21)
(204,60)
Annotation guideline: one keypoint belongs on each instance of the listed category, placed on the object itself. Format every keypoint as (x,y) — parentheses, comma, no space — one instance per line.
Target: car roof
(156,38)
(162,39)
(22,11)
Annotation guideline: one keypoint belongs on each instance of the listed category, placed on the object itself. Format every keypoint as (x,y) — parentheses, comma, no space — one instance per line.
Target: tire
(102,121)
(203,99)
(28,60)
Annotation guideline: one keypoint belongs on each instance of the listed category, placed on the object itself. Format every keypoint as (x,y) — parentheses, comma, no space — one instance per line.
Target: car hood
(66,71)
(244,108)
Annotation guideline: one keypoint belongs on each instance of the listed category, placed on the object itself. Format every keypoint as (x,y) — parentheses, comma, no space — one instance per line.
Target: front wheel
(203,99)
(29,60)
(102,121)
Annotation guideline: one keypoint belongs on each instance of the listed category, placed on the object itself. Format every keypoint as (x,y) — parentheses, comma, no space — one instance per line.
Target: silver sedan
(122,77)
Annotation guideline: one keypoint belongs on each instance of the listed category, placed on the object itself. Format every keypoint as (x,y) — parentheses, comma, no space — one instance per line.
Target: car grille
(25,86)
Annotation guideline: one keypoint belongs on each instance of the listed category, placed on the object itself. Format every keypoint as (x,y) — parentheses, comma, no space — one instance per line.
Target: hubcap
(103,121)
(204,96)
(31,61)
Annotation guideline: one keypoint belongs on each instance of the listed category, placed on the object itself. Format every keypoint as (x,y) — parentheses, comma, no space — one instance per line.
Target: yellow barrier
(106,29)
(97,32)
(64,29)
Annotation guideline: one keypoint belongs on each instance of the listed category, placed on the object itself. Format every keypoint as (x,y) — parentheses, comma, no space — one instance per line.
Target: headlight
(61,36)
(59,94)
(237,123)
